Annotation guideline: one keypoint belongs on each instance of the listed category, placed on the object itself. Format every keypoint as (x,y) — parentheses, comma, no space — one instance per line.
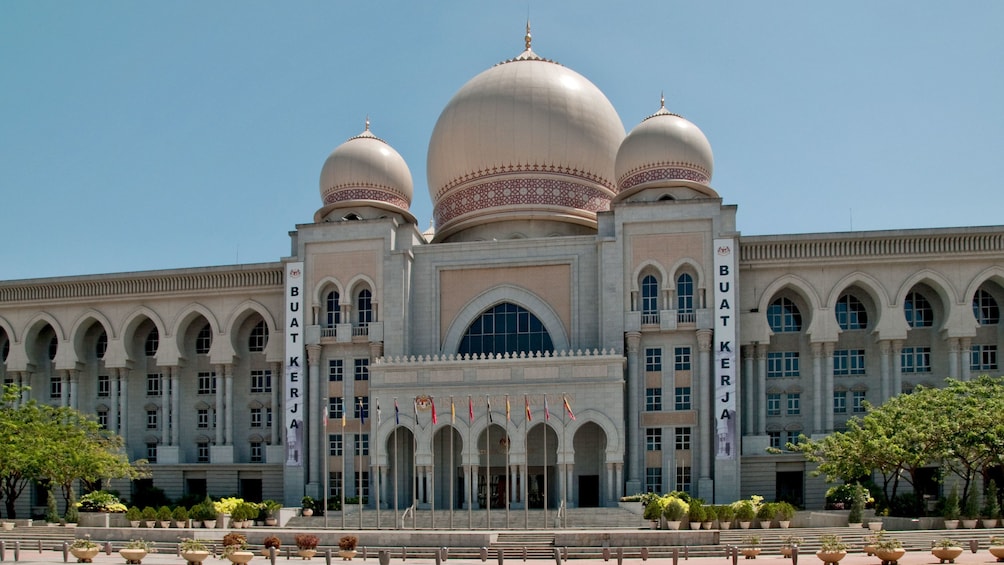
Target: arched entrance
(542,457)
(447,453)
(493,467)
(589,487)
(401,458)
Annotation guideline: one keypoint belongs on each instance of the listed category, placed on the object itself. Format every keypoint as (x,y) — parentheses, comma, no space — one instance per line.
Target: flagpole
(414,467)
(379,483)
(525,490)
(342,486)
(325,452)
(397,469)
(508,484)
(432,474)
(453,469)
(488,461)
(472,483)
(547,418)
(359,471)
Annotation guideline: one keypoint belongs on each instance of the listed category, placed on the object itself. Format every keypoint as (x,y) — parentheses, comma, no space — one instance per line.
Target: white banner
(725,346)
(293,365)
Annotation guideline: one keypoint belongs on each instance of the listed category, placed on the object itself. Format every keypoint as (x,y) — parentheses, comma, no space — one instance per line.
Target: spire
(367,122)
(662,99)
(527,39)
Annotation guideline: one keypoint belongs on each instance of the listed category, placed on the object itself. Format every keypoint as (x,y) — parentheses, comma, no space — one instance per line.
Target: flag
(378,412)
(488,402)
(547,413)
(343,416)
(470,408)
(325,419)
(526,401)
(453,412)
(507,418)
(415,404)
(362,411)
(568,407)
(435,420)
(397,413)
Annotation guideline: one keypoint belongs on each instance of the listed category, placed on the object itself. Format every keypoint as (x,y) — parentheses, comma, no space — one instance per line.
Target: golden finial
(662,99)
(528,38)
(367,122)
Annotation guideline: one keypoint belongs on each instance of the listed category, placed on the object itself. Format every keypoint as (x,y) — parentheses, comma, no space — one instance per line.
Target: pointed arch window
(783,316)
(985,308)
(204,340)
(506,328)
(649,300)
(332,313)
(152,343)
(918,311)
(851,313)
(364,308)
(685,298)
(258,339)
(53,348)
(101,346)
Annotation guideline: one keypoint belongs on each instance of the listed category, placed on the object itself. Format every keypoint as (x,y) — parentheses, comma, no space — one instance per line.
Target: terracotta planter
(85,554)
(948,554)
(132,556)
(265,552)
(695,525)
(707,525)
(134,523)
(828,557)
(724,525)
(785,551)
(194,557)
(750,552)
(346,554)
(240,557)
(869,549)
(306,553)
(210,524)
(890,556)
(998,552)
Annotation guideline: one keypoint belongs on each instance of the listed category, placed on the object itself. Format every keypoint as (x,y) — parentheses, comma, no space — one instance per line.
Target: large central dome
(528,143)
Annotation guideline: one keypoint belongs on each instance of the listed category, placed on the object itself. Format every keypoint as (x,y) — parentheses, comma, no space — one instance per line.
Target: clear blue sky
(154,135)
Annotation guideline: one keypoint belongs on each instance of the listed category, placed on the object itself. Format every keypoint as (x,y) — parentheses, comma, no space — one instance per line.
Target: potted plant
(970,509)
(750,547)
(84,549)
(180,517)
(997,547)
(765,515)
(831,549)
(347,547)
(889,550)
(271,509)
(164,516)
(709,517)
(674,509)
(788,543)
(946,549)
(149,516)
(269,543)
(697,513)
(250,511)
(872,540)
(653,508)
(237,516)
(134,515)
(744,513)
(854,518)
(725,514)
(951,511)
(135,550)
(307,504)
(991,509)
(306,545)
(235,548)
(784,512)
(193,551)
(205,513)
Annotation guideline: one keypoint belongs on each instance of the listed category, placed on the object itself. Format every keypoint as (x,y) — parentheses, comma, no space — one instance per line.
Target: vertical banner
(726,318)
(295,385)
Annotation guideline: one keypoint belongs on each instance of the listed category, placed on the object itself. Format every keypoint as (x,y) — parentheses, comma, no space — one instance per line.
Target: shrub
(857,505)
(991,509)
(744,510)
(348,543)
(831,543)
(697,512)
(784,511)
(765,512)
(234,542)
(674,508)
(164,513)
(83,543)
(945,543)
(951,508)
(725,512)
(308,541)
(189,544)
(146,546)
(970,506)
(271,541)
(150,514)
(180,514)
(100,501)
(134,514)
(751,541)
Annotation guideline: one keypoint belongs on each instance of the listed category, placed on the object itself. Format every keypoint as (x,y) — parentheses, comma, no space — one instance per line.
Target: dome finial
(528,38)
(367,122)
(662,99)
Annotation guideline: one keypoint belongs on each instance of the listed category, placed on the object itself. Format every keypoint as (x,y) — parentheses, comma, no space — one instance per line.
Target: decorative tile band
(523,168)
(663,173)
(387,195)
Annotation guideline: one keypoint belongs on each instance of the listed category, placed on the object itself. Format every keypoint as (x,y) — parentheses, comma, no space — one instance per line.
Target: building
(585,321)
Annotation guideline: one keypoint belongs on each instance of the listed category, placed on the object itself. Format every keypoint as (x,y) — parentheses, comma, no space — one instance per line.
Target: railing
(686,317)
(650,318)
(560,517)
(360,330)
(329,331)
(404,516)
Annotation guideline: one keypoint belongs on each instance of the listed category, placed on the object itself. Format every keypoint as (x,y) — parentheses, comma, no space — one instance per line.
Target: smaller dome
(663,147)
(365,171)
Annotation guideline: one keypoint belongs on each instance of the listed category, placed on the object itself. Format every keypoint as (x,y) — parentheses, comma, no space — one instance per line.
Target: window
(257,452)
(335,445)
(152,343)
(918,311)
(261,380)
(104,386)
(362,446)
(153,384)
(363,482)
(362,407)
(335,370)
(258,338)
(653,479)
(681,359)
(505,328)
(783,316)
(653,359)
(685,295)
(362,369)
(151,419)
(335,407)
(683,438)
(683,479)
(101,346)
(775,439)
(983,358)
(202,418)
(268,417)
(851,313)
(794,403)
(792,437)
(55,387)
(653,439)
(204,340)
(839,402)
(207,382)
(364,308)
(335,484)
(103,419)
(985,308)
(151,452)
(773,404)
(649,300)
(332,312)
(256,417)
(202,452)
(53,348)
(653,399)
(682,398)
(915,360)
(858,401)
(782,364)
(849,362)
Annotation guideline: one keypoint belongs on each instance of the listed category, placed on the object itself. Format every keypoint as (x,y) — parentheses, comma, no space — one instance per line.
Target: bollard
(383,556)
(438,560)
(564,553)
(17,550)
(271,555)
(606,553)
(3,550)
(483,554)
(620,556)
(676,555)
(644,554)
(327,556)
(794,554)
(974,545)
(404,553)
(108,548)
(501,556)
(364,553)
(40,546)
(445,553)
(524,553)
(66,550)
(557,556)
(735,555)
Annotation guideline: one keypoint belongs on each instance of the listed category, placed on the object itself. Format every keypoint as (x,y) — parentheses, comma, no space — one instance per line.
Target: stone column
(165,409)
(314,405)
(749,420)
(219,404)
(228,431)
(175,371)
(702,398)
(953,357)
(817,387)
(64,388)
(761,379)
(884,347)
(73,377)
(965,345)
(472,487)
(113,416)
(123,400)
(897,367)
(610,484)
(635,449)
(277,380)
(618,480)
(828,388)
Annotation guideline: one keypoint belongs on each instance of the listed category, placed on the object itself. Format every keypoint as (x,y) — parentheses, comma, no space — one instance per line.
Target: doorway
(589,491)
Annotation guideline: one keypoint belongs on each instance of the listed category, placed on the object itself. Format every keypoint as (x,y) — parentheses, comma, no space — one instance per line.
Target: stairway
(576,518)
(536,545)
